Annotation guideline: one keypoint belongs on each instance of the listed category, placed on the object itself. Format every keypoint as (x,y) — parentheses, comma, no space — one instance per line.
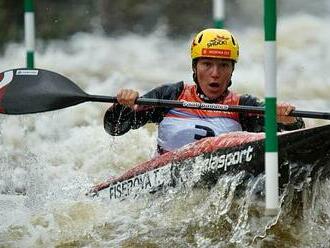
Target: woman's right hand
(127,97)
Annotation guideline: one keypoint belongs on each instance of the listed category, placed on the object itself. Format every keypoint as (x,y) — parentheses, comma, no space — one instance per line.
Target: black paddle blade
(25,91)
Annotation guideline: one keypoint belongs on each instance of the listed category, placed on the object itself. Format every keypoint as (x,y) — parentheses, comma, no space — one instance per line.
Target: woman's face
(214,75)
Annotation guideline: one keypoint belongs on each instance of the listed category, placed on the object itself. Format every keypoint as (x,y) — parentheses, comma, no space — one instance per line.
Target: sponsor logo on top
(218,40)
(27,72)
(227,160)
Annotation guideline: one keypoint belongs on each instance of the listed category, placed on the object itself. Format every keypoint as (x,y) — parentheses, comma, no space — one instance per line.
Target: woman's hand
(283,111)
(127,97)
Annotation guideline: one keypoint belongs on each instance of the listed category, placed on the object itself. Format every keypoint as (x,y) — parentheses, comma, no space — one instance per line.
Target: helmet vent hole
(200,38)
(232,39)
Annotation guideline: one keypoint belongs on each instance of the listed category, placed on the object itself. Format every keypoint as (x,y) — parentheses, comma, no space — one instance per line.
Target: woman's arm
(255,123)
(119,118)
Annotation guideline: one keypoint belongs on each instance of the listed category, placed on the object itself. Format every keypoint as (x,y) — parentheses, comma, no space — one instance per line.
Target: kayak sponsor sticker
(146,182)
(224,161)
(27,72)
(6,78)
(174,174)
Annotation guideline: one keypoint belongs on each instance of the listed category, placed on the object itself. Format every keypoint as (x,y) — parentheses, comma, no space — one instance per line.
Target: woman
(214,53)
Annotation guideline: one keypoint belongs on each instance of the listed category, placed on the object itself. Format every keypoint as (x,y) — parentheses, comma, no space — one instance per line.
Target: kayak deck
(203,162)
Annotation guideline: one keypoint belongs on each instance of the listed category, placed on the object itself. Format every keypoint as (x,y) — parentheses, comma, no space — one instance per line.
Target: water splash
(48,160)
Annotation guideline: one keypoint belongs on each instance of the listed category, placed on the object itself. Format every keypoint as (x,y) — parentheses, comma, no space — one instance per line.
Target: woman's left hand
(283,111)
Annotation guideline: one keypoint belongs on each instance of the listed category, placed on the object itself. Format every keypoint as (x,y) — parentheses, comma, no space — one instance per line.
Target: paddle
(26,91)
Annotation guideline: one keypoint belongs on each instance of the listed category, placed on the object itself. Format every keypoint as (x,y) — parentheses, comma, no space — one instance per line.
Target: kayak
(203,162)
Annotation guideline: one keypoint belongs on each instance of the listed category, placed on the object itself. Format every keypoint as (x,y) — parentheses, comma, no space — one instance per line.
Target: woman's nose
(216,71)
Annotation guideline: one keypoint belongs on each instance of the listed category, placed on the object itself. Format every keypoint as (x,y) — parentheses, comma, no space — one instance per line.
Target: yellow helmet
(215,43)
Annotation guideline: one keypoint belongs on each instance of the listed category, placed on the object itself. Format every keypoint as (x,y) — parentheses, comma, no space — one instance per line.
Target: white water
(55,157)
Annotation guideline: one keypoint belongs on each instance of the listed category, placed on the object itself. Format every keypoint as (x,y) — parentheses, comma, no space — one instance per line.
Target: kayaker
(214,53)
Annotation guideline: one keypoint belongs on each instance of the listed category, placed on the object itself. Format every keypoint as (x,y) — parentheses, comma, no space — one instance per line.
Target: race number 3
(209,132)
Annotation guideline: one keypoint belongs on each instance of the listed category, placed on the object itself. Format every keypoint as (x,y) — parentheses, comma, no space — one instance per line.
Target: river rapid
(49,160)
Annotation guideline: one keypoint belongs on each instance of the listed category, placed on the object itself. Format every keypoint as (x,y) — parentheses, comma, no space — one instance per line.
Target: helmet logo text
(216,52)
(218,40)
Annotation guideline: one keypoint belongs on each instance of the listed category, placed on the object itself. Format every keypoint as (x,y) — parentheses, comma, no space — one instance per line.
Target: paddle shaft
(209,106)
(25,91)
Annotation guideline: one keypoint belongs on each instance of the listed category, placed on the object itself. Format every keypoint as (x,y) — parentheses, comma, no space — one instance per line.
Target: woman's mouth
(214,85)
